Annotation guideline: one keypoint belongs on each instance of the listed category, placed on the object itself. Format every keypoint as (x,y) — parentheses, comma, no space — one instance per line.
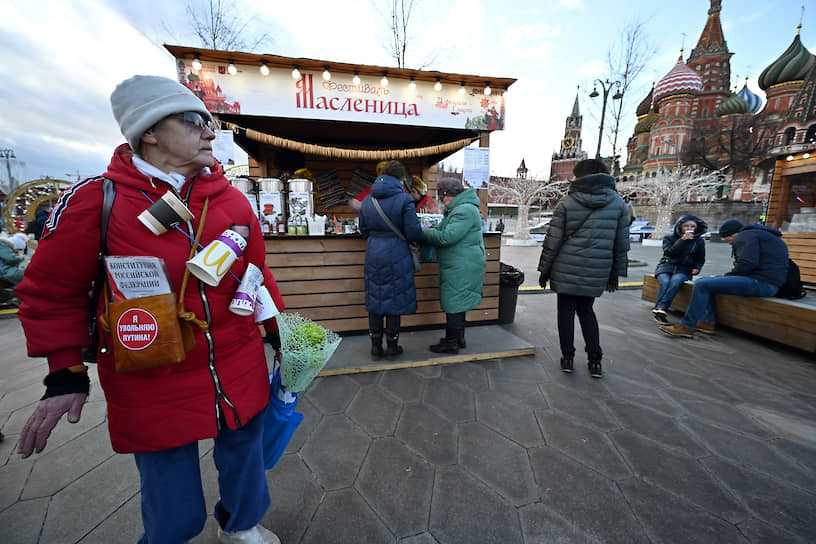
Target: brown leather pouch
(146,332)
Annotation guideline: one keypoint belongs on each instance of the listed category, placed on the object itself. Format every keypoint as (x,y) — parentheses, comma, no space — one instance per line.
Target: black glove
(542,279)
(612,284)
(273,339)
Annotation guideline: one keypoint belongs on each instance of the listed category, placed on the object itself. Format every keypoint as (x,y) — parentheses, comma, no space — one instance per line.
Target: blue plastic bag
(280,421)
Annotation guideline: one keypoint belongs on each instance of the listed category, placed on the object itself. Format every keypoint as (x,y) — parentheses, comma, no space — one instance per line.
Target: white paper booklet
(133,277)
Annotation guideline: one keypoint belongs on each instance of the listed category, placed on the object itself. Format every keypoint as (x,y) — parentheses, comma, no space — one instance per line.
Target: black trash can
(510,278)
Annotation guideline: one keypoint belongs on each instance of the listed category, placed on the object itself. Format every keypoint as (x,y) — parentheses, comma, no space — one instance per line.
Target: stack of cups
(164,214)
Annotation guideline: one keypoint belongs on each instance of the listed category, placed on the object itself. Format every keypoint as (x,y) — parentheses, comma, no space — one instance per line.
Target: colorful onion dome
(793,65)
(646,122)
(753,99)
(680,80)
(733,104)
(645,104)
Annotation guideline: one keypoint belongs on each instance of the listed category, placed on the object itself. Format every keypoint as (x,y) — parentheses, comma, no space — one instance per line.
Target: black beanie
(732,226)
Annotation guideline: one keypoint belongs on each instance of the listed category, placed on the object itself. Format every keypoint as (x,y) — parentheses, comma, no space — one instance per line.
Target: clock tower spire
(570,152)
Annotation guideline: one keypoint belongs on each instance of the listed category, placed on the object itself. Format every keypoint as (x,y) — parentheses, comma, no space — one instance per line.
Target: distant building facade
(571,152)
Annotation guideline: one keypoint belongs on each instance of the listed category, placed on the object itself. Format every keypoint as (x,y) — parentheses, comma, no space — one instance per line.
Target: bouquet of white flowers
(306,348)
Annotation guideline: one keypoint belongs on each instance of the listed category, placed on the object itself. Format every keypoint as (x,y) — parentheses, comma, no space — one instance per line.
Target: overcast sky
(61,59)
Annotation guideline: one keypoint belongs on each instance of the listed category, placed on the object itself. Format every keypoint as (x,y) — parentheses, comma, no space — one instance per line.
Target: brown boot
(705,327)
(678,330)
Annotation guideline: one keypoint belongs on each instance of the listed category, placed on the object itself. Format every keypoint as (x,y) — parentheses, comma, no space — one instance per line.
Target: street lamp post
(606,86)
(8,154)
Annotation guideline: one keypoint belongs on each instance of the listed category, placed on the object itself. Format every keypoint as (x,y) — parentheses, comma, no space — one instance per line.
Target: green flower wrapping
(306,348)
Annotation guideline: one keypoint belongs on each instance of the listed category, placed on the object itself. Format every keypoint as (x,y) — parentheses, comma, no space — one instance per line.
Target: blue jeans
(701,306)
(173,507)
(669,286)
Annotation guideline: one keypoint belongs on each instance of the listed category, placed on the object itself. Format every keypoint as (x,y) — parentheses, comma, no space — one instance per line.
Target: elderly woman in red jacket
(221,388)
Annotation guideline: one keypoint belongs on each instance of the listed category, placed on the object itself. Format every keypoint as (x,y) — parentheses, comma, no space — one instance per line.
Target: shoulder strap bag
(411,247)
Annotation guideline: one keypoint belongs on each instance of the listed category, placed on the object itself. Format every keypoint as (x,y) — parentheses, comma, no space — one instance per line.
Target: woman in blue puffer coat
(683,257)
(389,268)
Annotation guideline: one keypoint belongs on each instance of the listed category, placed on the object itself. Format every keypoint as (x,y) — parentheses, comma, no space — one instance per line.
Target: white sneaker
(256,535)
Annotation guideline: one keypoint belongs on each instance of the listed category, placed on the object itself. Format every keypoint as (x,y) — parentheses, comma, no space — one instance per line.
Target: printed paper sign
(133,277)
(476,172)
(136,329)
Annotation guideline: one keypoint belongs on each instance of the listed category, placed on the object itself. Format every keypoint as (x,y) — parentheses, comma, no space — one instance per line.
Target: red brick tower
(570,153)
(712,60)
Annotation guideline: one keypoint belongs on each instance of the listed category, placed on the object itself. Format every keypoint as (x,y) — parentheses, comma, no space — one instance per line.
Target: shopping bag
(280,421)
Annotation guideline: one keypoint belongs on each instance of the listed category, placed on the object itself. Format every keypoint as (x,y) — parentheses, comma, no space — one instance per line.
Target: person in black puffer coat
(389,268)
(683,257)
(584,252)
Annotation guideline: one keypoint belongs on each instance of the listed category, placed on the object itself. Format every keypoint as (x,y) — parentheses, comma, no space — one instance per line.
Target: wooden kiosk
(291,113)
(793,191)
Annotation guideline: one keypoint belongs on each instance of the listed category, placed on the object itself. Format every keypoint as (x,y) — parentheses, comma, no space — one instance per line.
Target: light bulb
(295,73)
(438,85)
(462,89)
(488,90)
(789,158)
(412,84)
(264,69)
(806,156)
(326,75)
(232,69)
(384,81)
(356,78)
(196,63)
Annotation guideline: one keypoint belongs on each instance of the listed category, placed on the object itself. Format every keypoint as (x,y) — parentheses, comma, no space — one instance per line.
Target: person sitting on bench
(760,268)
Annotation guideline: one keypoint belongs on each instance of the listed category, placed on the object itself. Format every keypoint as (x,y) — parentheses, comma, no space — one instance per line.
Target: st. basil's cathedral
(692,117)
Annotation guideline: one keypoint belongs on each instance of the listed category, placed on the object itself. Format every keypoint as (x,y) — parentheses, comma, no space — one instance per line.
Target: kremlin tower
(570,153)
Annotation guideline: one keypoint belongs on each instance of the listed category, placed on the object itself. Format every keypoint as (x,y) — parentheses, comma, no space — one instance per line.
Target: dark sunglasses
(194,120)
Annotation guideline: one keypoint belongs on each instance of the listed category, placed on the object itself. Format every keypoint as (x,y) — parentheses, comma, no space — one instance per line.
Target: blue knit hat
(732,226)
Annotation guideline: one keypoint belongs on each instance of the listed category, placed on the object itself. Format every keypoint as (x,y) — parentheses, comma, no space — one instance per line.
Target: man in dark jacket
(584,253)
(761,266)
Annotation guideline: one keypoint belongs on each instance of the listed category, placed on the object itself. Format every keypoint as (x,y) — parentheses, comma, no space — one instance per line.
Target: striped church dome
(733,104)
(645,104)
(753,99)
(680,80)
(793,65)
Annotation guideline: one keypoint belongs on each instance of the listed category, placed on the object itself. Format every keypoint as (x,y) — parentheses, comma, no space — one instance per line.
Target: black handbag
(413,248)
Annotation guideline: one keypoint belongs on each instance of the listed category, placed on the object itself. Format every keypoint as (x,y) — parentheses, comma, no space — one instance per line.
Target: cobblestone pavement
(704,440)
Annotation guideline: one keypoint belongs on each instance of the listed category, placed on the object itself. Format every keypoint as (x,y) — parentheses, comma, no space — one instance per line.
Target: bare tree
(398,14)
(525,192)
(626,61)
(218,26)
(668,189)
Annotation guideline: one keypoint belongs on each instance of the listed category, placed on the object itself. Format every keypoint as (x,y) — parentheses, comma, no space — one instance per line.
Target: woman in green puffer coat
(461,257)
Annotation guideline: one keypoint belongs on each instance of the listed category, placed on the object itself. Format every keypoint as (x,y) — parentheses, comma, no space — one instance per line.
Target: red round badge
(136,329)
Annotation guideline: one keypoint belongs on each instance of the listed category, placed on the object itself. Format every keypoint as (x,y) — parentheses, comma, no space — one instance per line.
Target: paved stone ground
(704,440)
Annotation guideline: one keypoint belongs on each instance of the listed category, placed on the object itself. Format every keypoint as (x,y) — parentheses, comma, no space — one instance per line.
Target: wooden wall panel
(322,278)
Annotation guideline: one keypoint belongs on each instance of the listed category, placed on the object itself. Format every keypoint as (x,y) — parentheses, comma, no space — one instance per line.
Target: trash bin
(510,278)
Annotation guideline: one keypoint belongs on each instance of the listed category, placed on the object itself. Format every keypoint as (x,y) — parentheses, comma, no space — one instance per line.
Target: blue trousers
(173,507)
(669,286)
(701,305)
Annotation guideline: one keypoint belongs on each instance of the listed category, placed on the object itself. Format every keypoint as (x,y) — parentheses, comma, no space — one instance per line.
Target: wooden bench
(788,322)
(802,249)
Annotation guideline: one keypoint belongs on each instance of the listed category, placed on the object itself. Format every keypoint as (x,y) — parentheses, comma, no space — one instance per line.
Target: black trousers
(455,321)
(392,324)
(568,306)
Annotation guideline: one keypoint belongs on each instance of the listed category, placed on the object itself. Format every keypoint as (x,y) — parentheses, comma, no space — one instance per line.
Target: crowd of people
(220,389)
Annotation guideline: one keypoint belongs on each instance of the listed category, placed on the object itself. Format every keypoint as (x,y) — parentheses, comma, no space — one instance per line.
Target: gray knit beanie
(450,187)
(140,102)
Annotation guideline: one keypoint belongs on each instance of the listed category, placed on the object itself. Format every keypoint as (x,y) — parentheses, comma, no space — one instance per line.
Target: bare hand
(688,235)
(695,271)
(45,417)
(612,284)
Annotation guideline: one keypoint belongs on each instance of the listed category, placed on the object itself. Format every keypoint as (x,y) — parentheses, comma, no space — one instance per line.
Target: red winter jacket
(170,406)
